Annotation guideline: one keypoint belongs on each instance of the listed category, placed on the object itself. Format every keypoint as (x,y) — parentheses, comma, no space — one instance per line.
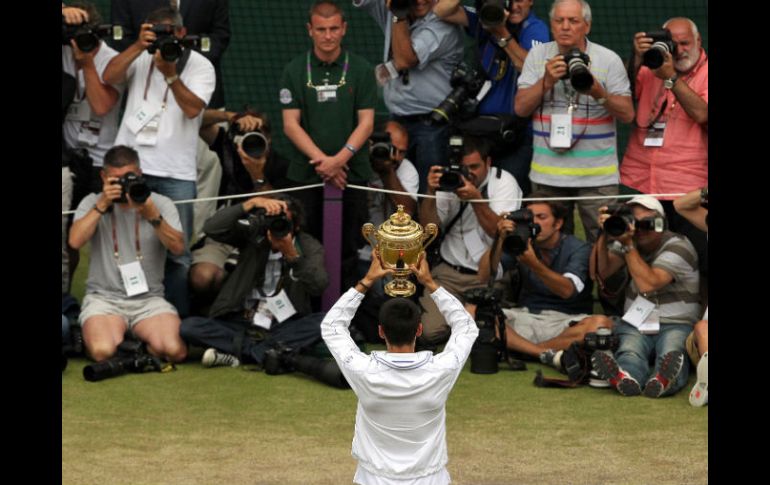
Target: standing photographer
(575,90)
(554,304)
(161,121)
(130,229)
(502,48)
(661,298)
(468,231)
(266,299)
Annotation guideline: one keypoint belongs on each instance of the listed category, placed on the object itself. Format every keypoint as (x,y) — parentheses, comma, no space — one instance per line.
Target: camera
(492,12)
(87,37)
(466,84)
(135,186)
(279,225)
(282,359)
(661,44)
(254,143)
(452,176)
(380,150)
(656,224)
(526,229)
(170,46)
(400,8)
(131,357)
(602,339)
(621,216)
(484,353)
(577,70)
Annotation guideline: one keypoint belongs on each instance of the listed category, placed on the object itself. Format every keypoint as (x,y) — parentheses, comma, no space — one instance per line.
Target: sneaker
(670,367)
(595,381)
(700,391)
(607,368)
(214,358)
(551,358)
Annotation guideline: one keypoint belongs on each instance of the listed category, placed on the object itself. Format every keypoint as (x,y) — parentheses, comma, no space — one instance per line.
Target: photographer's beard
(687,59)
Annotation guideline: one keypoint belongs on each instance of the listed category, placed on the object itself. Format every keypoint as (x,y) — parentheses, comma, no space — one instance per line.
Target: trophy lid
(400,226)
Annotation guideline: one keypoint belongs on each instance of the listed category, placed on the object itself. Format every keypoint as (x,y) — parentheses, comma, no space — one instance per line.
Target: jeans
(428,146)
(230,336)
(177,267)
(633,354)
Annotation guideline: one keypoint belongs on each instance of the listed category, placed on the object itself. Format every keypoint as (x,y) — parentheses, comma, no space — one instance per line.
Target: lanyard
(147,87)
(663,94)
(341,81)
(116,252)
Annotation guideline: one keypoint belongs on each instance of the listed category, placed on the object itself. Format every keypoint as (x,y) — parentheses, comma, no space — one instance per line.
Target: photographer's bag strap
(541,381)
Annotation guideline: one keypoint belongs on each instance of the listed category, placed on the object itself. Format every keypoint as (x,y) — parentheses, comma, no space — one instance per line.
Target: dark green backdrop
(267,33)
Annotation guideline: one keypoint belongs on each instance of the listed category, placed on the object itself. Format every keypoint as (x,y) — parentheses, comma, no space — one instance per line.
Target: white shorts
(539,327)
(133,311)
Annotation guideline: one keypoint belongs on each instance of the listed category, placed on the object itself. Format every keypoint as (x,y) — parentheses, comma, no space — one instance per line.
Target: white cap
(649,202)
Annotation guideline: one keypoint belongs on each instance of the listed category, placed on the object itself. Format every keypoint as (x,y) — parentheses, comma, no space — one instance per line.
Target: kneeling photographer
(554,303)
(468,228)
(266,299)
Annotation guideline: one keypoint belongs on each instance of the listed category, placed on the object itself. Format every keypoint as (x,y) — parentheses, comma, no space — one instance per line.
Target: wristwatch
(502,42)
(172,79)
(669,83)
(156,222)
(397,19)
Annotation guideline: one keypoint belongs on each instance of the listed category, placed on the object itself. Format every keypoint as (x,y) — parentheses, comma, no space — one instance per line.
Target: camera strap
(180,65)
(116,251)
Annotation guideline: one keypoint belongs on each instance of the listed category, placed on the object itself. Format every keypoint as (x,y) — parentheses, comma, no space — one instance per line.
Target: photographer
(693,206)
(667,150)
(91,122)
(420,52)
(400,432)
(266,299)
(554,304)
(502,48)
(575,151)
(161,121)
(468,231)
(661,298)
(130,229)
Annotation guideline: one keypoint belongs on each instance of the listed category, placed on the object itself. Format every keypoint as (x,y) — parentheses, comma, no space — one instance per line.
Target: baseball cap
(649,202)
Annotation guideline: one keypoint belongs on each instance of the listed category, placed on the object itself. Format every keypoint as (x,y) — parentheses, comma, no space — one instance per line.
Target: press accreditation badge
(80,111)
(654,136)
(134,280)
(148,135)
(146,112)
(561,130)
(640,309)
(280,306)
(326,94)
(262,317)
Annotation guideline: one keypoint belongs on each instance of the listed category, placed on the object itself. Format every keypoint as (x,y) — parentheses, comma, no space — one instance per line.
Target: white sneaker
(214,358)
(700,391)
(595,381)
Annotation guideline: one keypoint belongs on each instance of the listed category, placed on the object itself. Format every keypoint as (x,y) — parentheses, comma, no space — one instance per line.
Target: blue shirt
(500,97)
(571,255)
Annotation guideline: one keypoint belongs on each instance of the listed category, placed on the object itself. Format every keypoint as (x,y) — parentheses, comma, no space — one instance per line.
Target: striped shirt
(592,161)
(678,301)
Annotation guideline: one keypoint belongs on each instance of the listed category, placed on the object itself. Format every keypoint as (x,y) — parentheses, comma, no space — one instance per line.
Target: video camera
(524,230)
(577,70)
(131,357)
(466,84)
(87,36)
(452,176)
(662,43)
(171,47)
(254,142)
(279,225)
(282,359)
(492,12)
(133,185)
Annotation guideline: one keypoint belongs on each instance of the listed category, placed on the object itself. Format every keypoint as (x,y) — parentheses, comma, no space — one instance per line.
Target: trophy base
(400,288)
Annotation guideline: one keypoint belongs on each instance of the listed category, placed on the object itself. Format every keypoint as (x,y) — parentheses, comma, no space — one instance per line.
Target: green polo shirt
(329,123)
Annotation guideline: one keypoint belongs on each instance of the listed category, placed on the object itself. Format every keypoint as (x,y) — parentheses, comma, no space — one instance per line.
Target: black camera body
(621,216)
(380,150)
(279,225)
(281,359)
(254,143)
(602,339)
(400,8)
(135,186)
(484,353)
(662,43)
(577,70)
(526,229)
(87,36)
(131,357)
(466,84)
(169,45)
(452,176)
(492,12)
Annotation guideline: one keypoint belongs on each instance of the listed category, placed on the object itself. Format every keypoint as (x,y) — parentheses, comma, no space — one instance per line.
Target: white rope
(396,192)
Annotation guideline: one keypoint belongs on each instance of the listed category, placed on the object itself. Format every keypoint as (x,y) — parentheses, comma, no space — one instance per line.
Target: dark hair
(326,9)
(297,211)
(399,318)
(162,14)
(94,18)
(472,144)
(558,208)
(119,156)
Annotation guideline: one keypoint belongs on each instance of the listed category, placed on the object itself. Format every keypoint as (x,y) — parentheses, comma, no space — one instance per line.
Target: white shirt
(175,151)
(466,242)
(98,134)
(400,429)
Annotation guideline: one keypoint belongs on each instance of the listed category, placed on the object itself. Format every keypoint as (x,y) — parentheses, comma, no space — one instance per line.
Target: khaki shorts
(133,311)
(539,327)
(213,252)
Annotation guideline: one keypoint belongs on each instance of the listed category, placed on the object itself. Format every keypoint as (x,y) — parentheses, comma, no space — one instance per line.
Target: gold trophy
(399,244)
